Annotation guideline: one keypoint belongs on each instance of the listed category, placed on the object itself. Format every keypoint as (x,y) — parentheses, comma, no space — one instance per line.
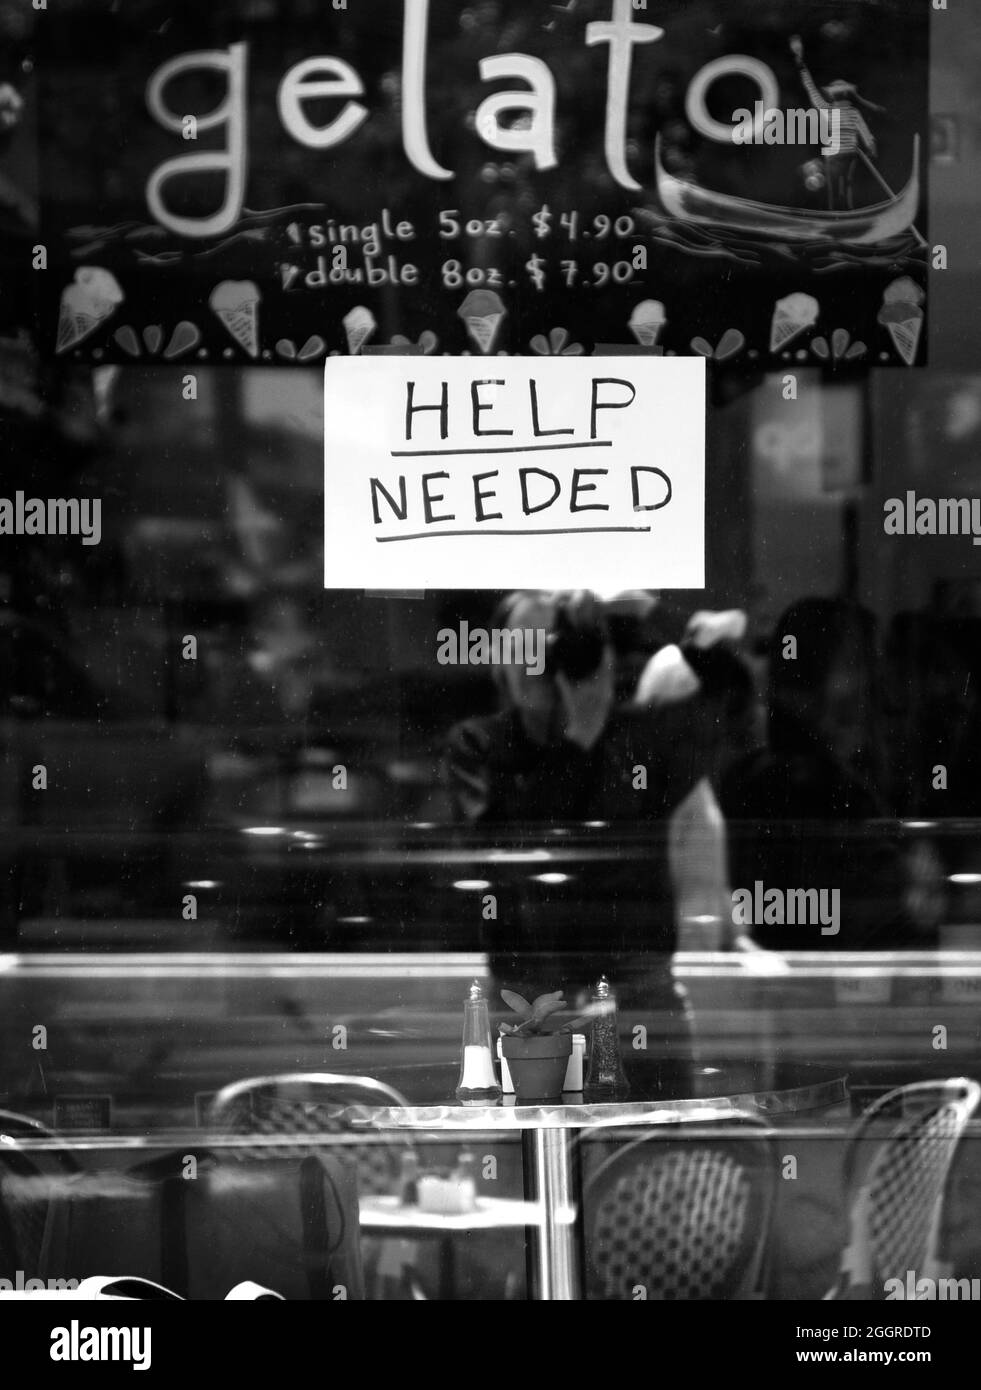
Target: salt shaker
(478,1080)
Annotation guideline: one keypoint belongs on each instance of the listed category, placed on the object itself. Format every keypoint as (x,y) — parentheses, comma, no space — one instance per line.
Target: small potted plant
(537,1057)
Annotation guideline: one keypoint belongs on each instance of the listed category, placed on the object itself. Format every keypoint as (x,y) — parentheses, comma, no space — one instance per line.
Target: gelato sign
(520,474)
(359,177)
(329,77)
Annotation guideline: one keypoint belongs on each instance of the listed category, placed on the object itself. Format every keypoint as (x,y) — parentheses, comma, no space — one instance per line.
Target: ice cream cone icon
(236,304)
(905,334)
(359,325)
(76,320)
(792,315)
(87,302)
(482,311)
(902,316)
(646,322)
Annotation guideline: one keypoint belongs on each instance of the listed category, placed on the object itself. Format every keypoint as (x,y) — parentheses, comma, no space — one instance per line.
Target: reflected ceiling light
(202,883)
(964,878)
(520,856)
(597,824)
(354,921)
(423,825)
(552,878)
(919,824)
(263,830)
(471,885)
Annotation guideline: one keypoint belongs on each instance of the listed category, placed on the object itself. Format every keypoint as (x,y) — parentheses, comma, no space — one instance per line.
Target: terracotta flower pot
(537,1064)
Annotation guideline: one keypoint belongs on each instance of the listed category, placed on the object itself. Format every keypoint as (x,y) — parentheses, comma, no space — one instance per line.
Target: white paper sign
(501,473)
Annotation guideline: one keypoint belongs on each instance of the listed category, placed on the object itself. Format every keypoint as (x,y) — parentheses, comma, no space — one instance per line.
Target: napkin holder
(446,1196)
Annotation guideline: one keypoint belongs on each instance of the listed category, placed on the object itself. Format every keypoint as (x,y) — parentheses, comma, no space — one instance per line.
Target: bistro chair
(684,1216)
(896,1204)
(305,1107)
(32,1184)
(308,1112)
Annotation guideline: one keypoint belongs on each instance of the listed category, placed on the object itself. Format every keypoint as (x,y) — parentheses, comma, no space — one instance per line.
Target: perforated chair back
(684,1215)
(302,1110)
(896,1204)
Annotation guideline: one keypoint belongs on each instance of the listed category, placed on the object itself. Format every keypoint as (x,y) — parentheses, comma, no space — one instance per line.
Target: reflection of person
(17,209)
(558,749)
(853,134)
(562,750)
(935,714)
(819,715)
(819,767)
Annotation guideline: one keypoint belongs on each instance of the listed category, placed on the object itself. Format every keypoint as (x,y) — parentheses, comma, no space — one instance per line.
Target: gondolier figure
(854,136)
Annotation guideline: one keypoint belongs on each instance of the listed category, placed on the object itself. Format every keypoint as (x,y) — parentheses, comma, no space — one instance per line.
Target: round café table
(662,1091)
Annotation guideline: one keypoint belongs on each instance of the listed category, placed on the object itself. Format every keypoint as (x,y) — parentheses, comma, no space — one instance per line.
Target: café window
(490,738)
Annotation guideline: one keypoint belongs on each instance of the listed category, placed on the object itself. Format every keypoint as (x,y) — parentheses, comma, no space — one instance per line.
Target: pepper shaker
(606,1076)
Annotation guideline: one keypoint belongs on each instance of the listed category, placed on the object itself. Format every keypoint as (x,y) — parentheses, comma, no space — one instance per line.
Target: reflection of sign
(83,1112)
(857,988)
(945,139)
(788,439)
(526,474)
(807,443)
(392,158)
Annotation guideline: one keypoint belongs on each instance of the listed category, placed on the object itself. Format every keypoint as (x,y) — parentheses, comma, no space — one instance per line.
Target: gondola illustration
(690,202)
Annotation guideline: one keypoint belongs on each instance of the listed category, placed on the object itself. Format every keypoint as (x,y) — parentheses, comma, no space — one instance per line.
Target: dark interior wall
(921,433)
